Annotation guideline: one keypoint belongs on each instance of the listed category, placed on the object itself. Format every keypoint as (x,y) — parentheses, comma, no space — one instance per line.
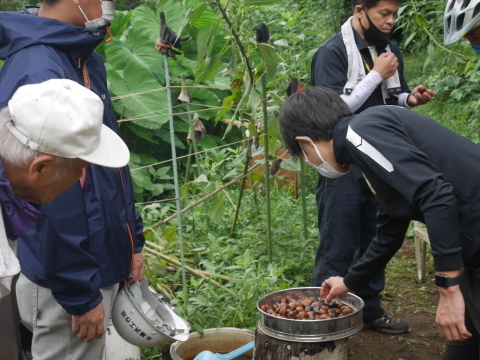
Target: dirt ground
(423,340)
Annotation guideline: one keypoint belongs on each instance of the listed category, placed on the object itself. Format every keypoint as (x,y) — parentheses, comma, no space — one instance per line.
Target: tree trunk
(269,348)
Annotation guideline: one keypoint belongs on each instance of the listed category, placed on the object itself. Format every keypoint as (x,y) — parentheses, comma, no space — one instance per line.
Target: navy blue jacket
(330,67)
(418,170)
(86,237)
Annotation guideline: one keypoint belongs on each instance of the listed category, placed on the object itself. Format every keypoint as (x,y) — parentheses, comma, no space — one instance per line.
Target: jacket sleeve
(382,145)
(389,239)
(70,269)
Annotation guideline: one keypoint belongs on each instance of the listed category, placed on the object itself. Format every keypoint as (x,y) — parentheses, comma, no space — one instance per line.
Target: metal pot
(310,330)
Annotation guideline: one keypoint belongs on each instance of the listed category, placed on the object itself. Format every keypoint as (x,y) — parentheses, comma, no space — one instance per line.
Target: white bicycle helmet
(143,318)
(461,16)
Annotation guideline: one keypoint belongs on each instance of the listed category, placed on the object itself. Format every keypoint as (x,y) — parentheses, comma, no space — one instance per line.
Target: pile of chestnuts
(307,308)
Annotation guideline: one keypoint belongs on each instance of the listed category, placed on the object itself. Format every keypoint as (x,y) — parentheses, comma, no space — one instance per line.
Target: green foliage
(243,259)
(420,23)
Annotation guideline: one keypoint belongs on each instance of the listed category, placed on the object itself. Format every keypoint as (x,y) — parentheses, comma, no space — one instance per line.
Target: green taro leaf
(146,22)
(137,81)
(138,51)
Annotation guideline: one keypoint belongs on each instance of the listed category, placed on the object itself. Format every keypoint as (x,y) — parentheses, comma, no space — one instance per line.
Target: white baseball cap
(63,118)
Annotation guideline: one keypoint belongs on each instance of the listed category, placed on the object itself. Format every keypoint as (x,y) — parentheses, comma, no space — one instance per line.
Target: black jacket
(418,170)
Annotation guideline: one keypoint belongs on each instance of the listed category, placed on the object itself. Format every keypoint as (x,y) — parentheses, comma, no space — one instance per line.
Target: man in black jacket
(418,170)
(366,69)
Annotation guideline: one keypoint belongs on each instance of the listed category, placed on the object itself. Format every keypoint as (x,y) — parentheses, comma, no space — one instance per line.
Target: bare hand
(333,287)
(386,65)
(138,269)
(89,326)
(450,317)
(420,96)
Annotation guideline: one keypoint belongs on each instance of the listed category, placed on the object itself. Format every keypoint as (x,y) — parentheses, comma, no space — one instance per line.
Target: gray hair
(15,153)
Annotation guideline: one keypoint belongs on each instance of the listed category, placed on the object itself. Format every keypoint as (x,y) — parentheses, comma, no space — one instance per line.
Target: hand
(138,269)
(386,65)
(450,317)
(89,326)
(333,287)
(420,96)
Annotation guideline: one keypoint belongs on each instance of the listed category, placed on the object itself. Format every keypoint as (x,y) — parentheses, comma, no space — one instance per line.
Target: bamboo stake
(267,167)
(192,205)
(175,177)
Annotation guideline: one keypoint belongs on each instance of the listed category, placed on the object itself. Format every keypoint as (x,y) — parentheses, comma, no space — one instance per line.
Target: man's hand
(89,326)
(450,317)
(333,287)
(138,269)
(386,65)
(420,96)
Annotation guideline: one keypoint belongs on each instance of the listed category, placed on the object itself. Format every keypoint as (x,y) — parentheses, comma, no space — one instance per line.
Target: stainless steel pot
(310,330)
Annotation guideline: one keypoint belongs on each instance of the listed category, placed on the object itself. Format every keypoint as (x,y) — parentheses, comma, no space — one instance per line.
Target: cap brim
(112,151)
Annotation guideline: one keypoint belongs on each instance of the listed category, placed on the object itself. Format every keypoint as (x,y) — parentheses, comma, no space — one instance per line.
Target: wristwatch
(444,281)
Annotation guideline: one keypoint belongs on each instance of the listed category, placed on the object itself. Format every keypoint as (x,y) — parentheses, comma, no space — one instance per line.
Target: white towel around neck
(356,70)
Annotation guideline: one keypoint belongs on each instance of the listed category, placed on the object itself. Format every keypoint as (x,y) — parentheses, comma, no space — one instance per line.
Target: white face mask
(325,169)
(108,11)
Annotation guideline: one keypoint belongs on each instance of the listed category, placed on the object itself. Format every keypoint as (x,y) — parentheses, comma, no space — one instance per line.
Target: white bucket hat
(63,118)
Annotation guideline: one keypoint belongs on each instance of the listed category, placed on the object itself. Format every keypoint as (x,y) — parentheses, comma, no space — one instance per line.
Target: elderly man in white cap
(49,132)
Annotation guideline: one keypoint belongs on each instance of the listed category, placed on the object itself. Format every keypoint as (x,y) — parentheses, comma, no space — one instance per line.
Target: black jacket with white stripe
(418,170)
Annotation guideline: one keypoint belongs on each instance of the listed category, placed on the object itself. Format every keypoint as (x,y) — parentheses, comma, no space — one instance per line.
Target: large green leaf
(146,22)
(137,81)
(138,51)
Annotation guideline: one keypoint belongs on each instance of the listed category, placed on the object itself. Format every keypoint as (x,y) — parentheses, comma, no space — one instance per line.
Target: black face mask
(374,35)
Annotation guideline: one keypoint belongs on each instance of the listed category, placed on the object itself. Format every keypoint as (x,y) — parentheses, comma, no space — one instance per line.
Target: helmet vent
(460,19)
(452,4)
(476,10)
(465,4)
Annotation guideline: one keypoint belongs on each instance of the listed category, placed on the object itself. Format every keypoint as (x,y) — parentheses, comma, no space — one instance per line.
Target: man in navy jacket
(418,170)
(90,238)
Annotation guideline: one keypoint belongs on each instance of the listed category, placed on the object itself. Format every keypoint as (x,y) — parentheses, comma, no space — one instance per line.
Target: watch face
(441,280)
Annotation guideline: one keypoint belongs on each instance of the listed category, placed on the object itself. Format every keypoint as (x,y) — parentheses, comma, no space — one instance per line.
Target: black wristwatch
(444,281)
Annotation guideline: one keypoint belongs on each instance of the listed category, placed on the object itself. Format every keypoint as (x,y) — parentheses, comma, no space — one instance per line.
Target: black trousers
(468,349)
(346,218)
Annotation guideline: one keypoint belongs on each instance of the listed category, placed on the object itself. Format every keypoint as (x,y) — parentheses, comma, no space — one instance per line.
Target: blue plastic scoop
(208,355)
